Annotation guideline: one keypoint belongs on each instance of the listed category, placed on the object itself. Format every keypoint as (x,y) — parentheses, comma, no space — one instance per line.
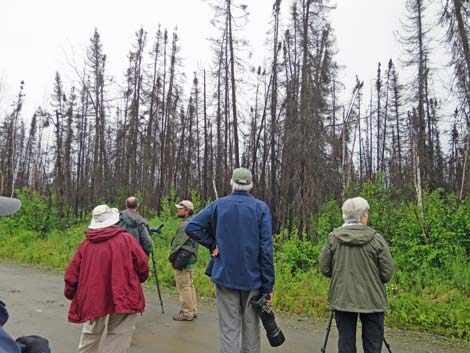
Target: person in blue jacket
(237,230)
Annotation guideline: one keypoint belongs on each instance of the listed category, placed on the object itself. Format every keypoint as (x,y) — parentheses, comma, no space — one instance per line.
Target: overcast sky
(37,37)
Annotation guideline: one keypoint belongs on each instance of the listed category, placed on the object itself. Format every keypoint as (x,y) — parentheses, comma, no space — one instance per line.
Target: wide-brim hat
(103,216)
(8,205)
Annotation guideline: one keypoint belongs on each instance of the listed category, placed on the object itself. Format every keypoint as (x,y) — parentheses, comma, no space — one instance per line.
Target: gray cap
(242,176)
(9,206)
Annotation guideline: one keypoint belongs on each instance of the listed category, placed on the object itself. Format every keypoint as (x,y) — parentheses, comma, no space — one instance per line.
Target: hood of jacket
(354,234)
(129,218)
(102,234)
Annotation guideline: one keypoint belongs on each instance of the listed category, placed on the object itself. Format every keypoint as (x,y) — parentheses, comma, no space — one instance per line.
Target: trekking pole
(156,280)
(387,345)
(156,231)
(323,349)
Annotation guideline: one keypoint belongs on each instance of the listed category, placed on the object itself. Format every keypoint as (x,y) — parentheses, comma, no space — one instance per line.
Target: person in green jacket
(184,276)
(359,262)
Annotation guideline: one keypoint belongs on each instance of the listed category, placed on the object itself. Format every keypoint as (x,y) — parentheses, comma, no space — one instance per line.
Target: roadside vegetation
(430,290)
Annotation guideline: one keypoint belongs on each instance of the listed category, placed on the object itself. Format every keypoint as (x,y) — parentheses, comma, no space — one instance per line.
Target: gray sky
(37,37)
(365,36)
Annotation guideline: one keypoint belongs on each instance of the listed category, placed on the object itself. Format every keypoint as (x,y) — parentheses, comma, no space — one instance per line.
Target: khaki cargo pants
(186,291)
(116,339)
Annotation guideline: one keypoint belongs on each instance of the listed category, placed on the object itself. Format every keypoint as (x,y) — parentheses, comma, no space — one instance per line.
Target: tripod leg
(323,349)
(156,280)
(387,345)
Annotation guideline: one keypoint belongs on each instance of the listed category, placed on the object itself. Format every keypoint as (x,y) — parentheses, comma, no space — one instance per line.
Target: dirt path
(37,306)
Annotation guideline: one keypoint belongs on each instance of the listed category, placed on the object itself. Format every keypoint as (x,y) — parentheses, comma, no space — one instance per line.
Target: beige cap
(185,204)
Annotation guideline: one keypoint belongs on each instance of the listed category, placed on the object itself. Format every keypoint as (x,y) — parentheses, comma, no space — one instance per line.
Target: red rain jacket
(105,275)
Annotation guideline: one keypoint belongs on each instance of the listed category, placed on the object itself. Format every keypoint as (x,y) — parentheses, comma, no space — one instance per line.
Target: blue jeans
(372,331)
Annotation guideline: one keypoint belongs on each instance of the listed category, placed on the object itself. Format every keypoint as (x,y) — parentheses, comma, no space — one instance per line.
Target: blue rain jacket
(240,226)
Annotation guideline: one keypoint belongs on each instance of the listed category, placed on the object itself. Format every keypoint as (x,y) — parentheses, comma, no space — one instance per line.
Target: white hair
(239,187)
(353,209)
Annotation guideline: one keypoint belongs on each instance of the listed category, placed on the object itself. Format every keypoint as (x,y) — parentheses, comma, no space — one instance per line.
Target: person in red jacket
(103,280)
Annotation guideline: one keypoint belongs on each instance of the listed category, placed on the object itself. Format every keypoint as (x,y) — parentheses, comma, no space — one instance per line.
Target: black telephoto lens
(273,332)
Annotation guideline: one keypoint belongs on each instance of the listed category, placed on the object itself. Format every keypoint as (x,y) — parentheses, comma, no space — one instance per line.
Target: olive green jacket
(358,261)
(180,239)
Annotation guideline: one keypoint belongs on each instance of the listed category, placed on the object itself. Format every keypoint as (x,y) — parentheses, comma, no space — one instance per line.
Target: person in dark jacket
(237,230)
(185,277)
(135,224)
(358,261)
(103,280)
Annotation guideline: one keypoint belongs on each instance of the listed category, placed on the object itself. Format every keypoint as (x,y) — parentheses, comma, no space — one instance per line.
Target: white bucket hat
(103,216)
(9,206)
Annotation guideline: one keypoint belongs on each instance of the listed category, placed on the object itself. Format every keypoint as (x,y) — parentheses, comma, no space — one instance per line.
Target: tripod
(325,341)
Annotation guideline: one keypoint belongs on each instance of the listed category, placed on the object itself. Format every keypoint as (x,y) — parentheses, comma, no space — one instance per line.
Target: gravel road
(36,304)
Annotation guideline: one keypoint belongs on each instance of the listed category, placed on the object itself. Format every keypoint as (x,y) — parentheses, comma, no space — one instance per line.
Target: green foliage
(438,310)
(55,250)
(459,268)
(168,206)
(196,200)
(303,293)
(329,217)
(36,214)
(295,254)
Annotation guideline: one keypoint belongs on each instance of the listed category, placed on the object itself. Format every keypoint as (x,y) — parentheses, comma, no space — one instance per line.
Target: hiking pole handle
(323,349)
(156,280)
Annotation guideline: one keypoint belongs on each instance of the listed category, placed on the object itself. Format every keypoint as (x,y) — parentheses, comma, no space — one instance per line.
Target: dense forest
(151,136)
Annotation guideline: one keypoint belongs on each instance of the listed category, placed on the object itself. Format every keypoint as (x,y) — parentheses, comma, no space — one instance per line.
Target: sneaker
(180,316)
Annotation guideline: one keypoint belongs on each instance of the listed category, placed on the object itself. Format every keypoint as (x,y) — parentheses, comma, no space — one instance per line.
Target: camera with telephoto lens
(273,332)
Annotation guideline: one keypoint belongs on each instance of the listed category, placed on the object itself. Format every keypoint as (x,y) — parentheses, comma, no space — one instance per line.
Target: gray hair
(353,209)
(239,187)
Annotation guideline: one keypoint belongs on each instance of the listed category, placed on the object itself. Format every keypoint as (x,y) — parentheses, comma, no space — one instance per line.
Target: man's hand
(215,252)
(270,297)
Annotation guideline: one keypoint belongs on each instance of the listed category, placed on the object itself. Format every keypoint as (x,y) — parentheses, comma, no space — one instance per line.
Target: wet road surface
(36,305)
